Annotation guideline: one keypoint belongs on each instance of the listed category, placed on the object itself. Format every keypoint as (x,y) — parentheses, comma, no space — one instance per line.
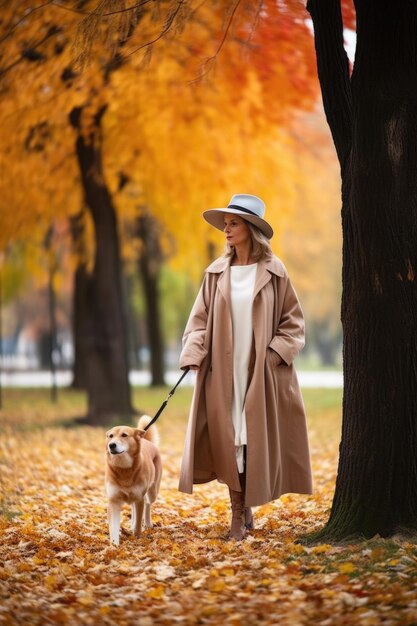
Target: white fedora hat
(250,208)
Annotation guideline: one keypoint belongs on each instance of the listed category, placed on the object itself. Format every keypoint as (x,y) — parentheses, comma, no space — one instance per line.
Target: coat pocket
(273,358)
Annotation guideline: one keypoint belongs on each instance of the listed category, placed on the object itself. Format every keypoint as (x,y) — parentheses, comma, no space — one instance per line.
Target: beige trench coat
(278,459)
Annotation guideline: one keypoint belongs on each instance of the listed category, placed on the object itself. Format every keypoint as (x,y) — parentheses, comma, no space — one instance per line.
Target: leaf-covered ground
(57,567)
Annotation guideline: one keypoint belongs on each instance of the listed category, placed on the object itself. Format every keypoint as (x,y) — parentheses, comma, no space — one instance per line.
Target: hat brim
(216,219)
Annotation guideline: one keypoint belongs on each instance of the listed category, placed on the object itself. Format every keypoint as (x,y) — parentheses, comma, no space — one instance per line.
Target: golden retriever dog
(133,474)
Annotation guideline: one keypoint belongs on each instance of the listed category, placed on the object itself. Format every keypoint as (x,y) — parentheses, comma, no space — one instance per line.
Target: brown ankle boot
(249,524)
(237,529)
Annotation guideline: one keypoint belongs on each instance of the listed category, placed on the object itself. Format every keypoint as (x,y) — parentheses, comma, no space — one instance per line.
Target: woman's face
(236,230)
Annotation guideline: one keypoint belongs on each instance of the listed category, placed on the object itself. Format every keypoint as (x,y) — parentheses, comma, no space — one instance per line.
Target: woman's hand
(195,367)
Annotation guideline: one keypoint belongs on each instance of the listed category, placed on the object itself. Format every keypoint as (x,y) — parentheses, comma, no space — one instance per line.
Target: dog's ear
(139,433)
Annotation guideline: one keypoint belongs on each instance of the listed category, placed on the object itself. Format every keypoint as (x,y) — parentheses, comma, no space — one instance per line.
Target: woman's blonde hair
(261,248)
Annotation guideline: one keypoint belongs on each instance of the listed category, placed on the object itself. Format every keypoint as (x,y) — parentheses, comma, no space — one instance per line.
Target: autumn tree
(372,115)
(106,367)
(44,40)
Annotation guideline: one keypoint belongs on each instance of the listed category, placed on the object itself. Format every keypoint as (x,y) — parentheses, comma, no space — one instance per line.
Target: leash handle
(169,396)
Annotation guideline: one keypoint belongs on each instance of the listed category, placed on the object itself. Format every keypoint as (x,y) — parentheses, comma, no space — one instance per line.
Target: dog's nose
(112,446)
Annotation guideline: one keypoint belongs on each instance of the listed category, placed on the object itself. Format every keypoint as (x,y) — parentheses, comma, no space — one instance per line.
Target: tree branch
(11,30)
(333,71)
(229,24)
(138,5)
(168,25)
(209,63)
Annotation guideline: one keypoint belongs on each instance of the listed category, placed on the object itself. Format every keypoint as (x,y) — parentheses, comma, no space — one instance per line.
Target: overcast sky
(350,43)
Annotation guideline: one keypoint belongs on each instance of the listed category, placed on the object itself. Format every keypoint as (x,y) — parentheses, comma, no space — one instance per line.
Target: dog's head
(122,444)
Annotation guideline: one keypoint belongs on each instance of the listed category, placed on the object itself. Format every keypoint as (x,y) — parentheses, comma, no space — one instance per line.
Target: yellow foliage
(184,143)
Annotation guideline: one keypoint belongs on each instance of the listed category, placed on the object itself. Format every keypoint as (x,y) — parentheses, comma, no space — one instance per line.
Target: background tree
(104,332)
(102,321)
(373,119)
(150,263)
(43,41)
(80,313)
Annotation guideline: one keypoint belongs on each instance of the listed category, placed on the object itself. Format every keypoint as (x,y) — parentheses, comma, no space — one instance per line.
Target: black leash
(171,393)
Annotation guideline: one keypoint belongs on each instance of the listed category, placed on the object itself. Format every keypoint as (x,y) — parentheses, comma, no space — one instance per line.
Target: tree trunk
(106,362)
(79,329)
(150,266)
(133,340)
(79,309)
(327,342)
(52,332)
(376,488)
(1,330)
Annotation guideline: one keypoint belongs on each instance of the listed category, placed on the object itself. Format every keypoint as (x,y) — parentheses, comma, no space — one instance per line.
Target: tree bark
(106,361)
(150,267)
(373,119)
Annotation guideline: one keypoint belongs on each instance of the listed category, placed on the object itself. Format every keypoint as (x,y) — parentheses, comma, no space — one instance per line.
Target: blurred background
(121,123)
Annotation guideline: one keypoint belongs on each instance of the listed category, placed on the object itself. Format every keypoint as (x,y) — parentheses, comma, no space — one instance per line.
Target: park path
(43,378)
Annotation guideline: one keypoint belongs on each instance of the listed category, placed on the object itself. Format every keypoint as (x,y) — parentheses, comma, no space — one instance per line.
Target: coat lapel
(222,266)
(264,272)
(262,278)
(223,284)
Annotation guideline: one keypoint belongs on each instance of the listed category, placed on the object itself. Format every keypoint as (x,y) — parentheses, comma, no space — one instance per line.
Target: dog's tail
(153,433)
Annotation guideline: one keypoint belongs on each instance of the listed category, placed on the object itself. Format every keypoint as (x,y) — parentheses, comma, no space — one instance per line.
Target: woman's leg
(237,529)
(249,524)
(241,515)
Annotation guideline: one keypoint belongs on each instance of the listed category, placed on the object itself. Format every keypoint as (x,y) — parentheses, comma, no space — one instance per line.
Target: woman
(247,425)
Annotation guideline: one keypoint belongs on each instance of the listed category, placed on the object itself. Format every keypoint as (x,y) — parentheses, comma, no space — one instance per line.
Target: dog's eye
(125,435)
(110,436)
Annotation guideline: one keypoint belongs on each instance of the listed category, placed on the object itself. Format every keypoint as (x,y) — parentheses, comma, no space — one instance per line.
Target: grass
(324,412)
(32,409)
(34,406)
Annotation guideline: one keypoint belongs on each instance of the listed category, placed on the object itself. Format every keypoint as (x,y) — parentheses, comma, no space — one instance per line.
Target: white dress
(242,283)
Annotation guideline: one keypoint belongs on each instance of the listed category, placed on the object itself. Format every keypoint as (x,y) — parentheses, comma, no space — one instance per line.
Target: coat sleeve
(289,338)
(193,349)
